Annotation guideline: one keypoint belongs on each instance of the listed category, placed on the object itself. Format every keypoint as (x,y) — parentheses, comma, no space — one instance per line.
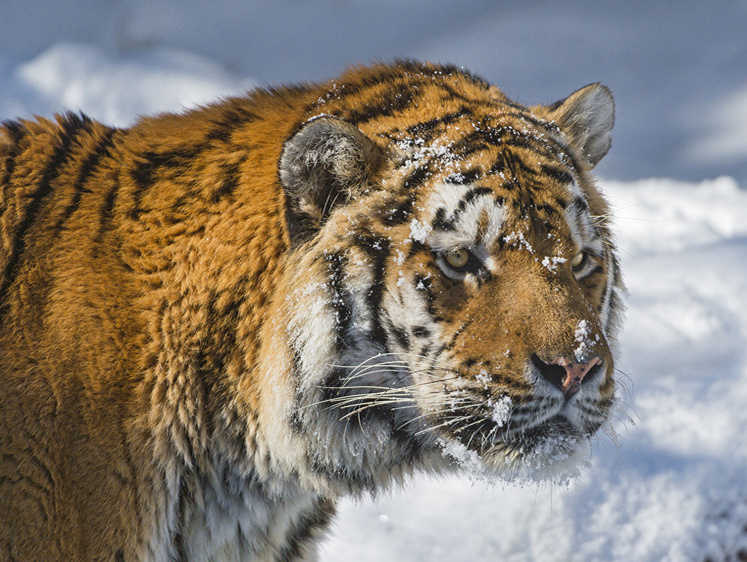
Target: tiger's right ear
(587,117)
(326,163)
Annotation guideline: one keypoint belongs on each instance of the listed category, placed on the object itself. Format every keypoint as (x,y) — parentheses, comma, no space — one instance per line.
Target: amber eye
(457,258)
(579,261)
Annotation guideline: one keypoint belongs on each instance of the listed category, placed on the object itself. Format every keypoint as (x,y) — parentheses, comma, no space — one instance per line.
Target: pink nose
(574,373)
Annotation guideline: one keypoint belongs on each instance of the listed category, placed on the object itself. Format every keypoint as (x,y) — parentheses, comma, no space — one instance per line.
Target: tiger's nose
(566,374)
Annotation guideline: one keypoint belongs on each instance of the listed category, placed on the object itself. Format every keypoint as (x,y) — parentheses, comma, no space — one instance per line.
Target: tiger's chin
(553,450)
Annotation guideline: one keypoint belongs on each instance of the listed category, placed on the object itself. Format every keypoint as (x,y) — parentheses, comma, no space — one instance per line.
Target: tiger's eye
(579,260)
(457,258)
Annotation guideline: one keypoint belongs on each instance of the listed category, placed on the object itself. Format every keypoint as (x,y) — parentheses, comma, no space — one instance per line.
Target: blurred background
(678,68)
(667,480)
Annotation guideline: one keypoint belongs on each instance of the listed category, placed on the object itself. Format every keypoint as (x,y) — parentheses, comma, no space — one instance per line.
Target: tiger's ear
(587,117)
(326,163)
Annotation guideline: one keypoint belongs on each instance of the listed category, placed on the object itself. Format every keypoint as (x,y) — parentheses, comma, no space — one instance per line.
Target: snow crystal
(581,336)
(399,257)
(483,377)
(419,231)
(552,263)
(501,410)
(517,239)
(467,459)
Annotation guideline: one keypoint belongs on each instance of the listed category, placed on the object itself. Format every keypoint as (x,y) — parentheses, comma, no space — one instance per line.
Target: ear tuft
(327,162)
(587,117)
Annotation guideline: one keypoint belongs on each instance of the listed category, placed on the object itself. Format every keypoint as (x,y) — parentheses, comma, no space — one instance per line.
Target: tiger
(216,323)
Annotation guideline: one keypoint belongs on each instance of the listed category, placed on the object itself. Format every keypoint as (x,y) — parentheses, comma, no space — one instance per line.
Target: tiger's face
(455,287)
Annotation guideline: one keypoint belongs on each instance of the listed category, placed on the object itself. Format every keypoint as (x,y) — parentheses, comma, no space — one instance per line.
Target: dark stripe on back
(72,124)
(145,171)
(106,213)
(231,176)
(86,170)
(235,117)
(15,132)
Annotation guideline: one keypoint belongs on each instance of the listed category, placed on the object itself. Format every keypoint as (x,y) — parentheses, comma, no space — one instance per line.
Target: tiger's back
(177,299)
(99,259)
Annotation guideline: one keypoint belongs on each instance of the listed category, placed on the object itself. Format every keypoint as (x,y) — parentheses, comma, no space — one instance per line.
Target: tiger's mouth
(546,447)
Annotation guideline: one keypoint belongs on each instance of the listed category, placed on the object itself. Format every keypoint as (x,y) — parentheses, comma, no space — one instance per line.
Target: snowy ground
(673,485)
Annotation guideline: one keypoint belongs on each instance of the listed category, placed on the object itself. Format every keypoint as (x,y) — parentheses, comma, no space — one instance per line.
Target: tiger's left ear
(326,163)
(586,117)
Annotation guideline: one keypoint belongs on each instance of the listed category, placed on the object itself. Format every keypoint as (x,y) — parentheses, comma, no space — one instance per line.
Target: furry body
(214,324)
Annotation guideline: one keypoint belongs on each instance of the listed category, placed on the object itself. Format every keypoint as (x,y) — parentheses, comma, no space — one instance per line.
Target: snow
(419,231)
(667,480)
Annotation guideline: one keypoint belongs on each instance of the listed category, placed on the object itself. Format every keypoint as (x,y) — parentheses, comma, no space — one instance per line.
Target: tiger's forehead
(470,189)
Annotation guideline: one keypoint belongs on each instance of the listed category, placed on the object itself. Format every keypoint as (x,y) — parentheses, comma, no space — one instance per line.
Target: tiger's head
(452,290)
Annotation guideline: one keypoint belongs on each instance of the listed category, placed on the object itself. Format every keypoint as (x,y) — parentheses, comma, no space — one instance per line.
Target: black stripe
(516,163)
(463,178)
(106,213)
(401,213)
(15,132)
(306,529)
(394,100)
(86,170)
(144,172)
(400,334)
(440,222)
(420,332)
(425,129)
(499,165)
(423,283)
(71,124)
(467,198)
(556,173)
(341,299)
(231,176)
(473,194)
(377,250)
(548,210)
(547,126)
(485,138)
(580,205)
(417,177)
(233,118)
(562,203)
(454,94)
